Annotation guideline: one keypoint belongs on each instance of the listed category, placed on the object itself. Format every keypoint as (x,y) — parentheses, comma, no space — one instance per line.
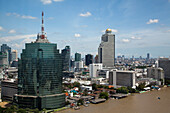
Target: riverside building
(40,75)
(106,50)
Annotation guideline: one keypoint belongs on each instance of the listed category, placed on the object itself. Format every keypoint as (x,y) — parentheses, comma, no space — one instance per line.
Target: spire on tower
(42,27)
(42,38)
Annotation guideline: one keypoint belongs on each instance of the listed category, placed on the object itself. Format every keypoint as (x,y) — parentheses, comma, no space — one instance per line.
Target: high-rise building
(77,57)
(6,48)
(164,63)
(4,59)
(148,56)
(106,50)
(14,55)
(96,59)
(66,58)
(89,59)
(40,75)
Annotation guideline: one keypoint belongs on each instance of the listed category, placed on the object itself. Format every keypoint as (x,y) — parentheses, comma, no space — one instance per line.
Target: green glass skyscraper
(40,75)
(77,56)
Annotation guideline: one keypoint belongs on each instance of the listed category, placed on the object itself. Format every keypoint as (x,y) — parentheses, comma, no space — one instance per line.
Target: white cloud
(46,1)
(77,35)
(28,17)
(151,21)
(85,14)
(58,0)
(1,28)
(113,30)
(12,31)
(17,37)
(136,38)
(168,30)
(125,40)
(50,18)
(21,16)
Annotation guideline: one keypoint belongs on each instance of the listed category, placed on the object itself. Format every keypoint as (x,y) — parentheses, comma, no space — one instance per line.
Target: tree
(131,90)
(80,102)
(104,95)
(141,86)
(94,86)
(122,90)
(76,84)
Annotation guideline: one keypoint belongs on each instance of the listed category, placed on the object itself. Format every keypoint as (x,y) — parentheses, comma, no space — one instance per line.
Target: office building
(8,89)
(77,57)
(96,59)
(148,56)
(106,50)
(14,56)
(155,73)
(40,75)
(164,63)
(122,78)
(93,69)
(88,59)
(4,59)
(7,49)
(66,58)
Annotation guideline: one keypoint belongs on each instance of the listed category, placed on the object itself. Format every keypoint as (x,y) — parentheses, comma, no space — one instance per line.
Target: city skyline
(140,27)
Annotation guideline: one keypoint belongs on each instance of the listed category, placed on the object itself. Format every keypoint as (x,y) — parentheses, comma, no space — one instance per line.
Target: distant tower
(14,55)
(106,50)
(40,75)
(89,59)
(5,48)
(148,56)
(77,57)
(66,58)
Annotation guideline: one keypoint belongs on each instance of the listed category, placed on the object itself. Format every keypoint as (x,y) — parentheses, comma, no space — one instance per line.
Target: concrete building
(7,49)
(122,78)
(155,73)
(40,75)
(66,58)
(14,55)
(106,50)
(93,69)
(164,63)
(88,59)
(103,73)
(8,89)
(77,57)
(4,59)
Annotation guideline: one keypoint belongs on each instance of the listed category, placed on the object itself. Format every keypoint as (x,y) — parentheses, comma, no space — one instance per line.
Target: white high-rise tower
(106,50)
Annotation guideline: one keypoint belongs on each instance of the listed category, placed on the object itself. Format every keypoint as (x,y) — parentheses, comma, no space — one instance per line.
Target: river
(138,103)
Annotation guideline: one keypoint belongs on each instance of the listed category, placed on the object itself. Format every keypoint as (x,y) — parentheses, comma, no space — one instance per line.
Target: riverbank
(137,103)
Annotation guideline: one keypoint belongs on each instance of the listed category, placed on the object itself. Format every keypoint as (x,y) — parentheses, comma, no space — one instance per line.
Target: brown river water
(147,102)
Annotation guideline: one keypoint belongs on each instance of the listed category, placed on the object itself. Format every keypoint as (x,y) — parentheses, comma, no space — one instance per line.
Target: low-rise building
(155,73)
(8,89)
(122,78)
(93,69)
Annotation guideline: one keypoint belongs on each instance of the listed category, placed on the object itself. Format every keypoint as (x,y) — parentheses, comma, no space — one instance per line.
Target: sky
(140,26)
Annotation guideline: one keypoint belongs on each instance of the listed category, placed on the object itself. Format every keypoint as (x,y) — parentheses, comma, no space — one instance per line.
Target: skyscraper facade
(14,55)
(148,56)
(77,57)
(88,59)
(40,75)
(66,58)
(106,50)
(3,59)
(6,48)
